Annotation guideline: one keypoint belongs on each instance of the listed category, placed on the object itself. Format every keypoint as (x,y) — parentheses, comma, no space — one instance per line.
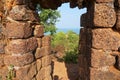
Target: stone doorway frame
(21,46)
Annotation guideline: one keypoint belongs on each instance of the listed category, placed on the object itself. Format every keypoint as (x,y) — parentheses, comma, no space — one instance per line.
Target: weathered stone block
(99,58)
(2,46)
(103,39)
(73,3)
(4,72)
(48,78)
(79,3)
(86,19)
(104,15)
(39,41)
(48,71)
(46,61)
(104,1)
(118,2)
(25,2)
(43,51)
(26,72)
(118,21)
(117,65)
(33,70)
(20,46)
(0,27)
(34,78)
(16,47)
(84,67)
(46,41)
(19,60)
(39,64)
(44,72)
(85,41)
(21,2)
(22,12)
(18,30)
(1,60)
(83,38)
(102,74)
(31,44)
(39,31)
(1,7)
(0,35)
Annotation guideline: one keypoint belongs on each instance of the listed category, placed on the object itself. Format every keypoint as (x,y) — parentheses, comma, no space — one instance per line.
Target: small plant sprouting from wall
(0,77)
(11,73)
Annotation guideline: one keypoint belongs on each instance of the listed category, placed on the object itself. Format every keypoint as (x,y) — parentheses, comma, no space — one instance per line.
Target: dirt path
(62,71)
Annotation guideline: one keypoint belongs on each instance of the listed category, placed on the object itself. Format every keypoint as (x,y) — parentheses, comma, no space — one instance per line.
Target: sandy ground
(62,71)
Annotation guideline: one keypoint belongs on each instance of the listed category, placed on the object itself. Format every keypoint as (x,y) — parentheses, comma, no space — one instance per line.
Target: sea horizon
(76,30)
(65,30)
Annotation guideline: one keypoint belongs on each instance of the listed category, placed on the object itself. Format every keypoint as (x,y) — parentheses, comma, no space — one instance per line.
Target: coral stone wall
(23,46)
(100,41)
(25,51)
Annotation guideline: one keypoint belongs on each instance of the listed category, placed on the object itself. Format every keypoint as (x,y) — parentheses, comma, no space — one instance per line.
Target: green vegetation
(11,73)
(0,77)
(48,18)
(69,43)
(71,57)
(66,43)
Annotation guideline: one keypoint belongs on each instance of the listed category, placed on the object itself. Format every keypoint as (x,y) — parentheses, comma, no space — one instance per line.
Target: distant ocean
(76,30)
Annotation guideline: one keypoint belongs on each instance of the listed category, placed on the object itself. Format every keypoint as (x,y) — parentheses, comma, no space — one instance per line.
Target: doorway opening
(65,41)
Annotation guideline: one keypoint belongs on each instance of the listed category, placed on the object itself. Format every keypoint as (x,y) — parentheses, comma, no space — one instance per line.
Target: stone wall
(24,50)
(100,41)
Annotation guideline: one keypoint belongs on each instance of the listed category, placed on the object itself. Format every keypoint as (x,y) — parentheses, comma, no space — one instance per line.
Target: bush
(71,57)
(69,43)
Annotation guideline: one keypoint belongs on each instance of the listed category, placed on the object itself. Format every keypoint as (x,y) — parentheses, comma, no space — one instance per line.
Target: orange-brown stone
(22,12)
(103,39)
(26,72)
(46,41)
(39,31)
(3,72)
(100,58)
(46,60)
(43,51)
(101,73)
(18,30)
(44,73)
(21,46)
(104,1)
(104,15)
(19,60)
(1,60)
(118,21)
(39,41)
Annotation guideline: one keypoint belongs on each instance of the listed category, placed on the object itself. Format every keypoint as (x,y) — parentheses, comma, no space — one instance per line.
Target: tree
(58,39)
(73,40)
(69,42)
(48,18)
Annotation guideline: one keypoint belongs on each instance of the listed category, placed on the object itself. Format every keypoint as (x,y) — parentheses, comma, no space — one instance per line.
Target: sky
(70,17)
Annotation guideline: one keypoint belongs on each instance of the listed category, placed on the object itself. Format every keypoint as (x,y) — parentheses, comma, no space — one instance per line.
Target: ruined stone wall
(24,50)
(100,41)
(24,47)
